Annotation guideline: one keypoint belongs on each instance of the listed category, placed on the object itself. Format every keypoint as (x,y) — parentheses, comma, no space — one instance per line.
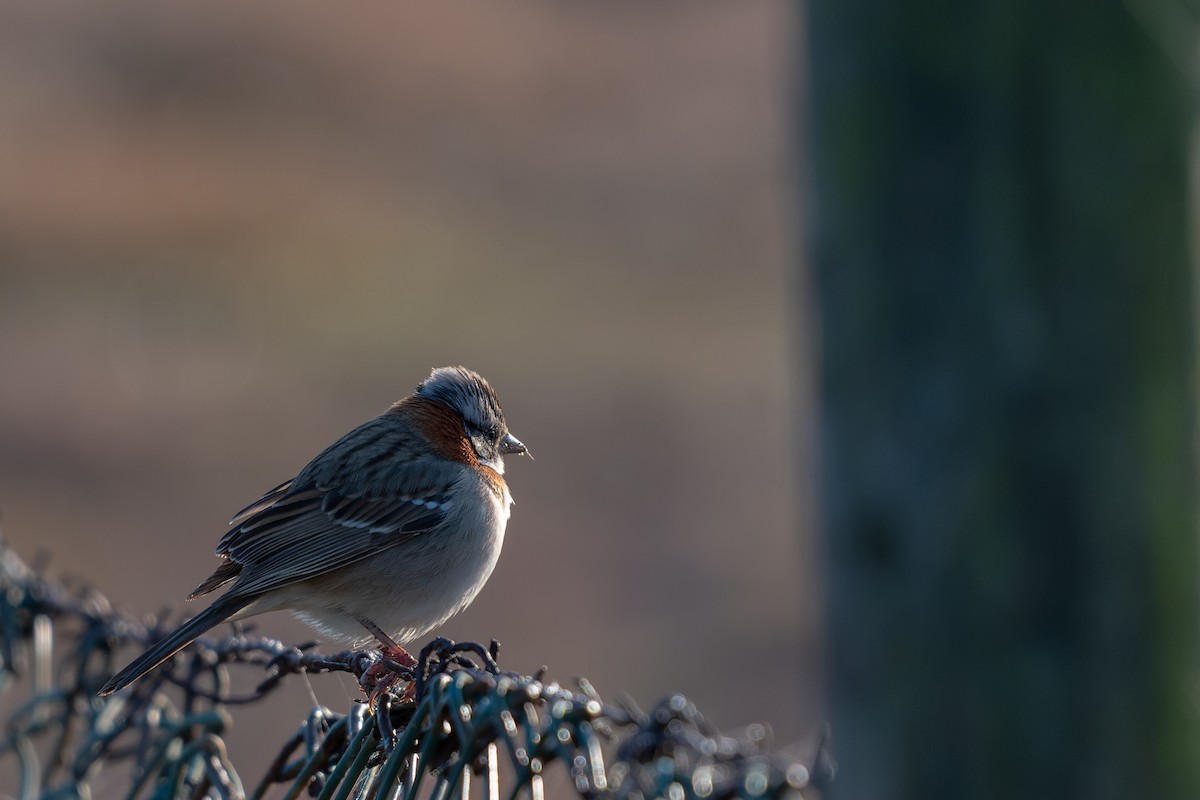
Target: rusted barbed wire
(467,720)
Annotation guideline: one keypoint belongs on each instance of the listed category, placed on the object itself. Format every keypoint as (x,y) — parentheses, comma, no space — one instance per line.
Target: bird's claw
(379,678)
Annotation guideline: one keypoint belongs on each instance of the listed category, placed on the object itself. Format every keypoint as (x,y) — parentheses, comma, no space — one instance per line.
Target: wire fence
(469,728)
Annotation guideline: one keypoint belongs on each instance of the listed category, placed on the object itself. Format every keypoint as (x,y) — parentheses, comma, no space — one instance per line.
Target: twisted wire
(467,720)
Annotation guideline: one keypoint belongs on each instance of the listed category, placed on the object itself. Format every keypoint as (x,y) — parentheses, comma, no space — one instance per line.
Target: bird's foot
(387,672)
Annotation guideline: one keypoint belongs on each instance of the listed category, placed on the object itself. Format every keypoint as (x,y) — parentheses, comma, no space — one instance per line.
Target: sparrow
(388,533)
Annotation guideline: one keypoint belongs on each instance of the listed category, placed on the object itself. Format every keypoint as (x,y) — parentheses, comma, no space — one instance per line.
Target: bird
(386,534)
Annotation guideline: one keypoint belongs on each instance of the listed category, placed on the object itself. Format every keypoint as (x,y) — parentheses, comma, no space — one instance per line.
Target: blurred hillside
(229,233)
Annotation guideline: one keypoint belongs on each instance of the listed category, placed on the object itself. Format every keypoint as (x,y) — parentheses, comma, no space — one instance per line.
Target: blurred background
(231,232)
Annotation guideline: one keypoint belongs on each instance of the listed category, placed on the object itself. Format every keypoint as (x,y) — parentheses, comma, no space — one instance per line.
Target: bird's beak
(511,446)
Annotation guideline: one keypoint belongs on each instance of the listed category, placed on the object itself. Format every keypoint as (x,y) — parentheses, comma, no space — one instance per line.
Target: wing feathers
(360,495)
(225,573)
(258,505)
(312,532)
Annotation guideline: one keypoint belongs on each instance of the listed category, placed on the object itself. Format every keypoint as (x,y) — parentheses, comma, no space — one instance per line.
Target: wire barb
(466,716)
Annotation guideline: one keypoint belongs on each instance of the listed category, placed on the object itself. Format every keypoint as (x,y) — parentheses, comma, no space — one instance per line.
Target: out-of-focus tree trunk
(998,230)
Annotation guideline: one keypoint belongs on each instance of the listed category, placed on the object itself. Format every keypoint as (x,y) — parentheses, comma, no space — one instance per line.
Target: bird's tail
(172,643)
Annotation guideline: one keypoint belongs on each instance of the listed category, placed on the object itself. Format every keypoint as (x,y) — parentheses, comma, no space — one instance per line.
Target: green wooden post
(998,232)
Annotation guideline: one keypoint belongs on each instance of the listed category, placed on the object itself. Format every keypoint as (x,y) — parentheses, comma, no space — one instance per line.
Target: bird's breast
(415,585)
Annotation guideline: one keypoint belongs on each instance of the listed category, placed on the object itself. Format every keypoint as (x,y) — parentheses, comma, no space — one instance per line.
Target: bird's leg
(378,678)
(388,646)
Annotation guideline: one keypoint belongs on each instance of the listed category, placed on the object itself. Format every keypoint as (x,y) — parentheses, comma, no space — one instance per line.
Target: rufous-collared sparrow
(389,532)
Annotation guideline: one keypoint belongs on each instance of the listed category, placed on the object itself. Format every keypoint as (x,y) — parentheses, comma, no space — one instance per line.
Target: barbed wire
(467,720)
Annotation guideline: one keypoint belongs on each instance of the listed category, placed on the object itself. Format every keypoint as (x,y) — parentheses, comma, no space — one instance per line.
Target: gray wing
(353,500)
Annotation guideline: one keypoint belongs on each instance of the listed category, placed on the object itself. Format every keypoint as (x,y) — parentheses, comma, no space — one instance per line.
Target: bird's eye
(492,433)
